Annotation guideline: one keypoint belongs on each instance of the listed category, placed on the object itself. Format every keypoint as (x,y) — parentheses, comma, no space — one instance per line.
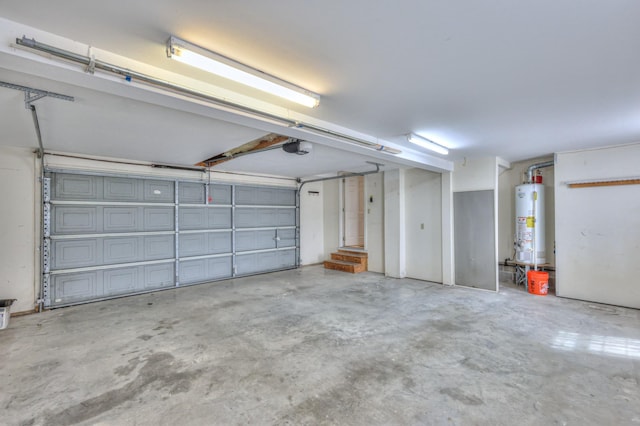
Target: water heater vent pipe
(535,167)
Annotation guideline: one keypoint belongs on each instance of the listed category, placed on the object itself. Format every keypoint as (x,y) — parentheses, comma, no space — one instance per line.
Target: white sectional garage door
(109,236)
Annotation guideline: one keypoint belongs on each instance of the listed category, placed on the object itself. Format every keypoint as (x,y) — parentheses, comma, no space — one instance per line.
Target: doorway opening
(353,212)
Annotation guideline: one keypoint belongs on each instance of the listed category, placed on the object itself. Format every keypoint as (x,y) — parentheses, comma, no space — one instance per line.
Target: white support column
(394,229)
(448,269)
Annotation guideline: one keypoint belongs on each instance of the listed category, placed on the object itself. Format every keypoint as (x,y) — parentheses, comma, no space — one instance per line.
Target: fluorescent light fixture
(426,143)
(222,66)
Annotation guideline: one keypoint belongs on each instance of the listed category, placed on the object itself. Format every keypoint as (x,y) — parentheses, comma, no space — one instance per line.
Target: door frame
(341,211)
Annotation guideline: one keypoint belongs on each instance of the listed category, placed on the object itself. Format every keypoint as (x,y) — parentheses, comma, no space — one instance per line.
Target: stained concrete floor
(313,346)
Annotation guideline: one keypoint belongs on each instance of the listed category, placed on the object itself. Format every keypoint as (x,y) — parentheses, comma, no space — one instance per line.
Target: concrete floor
(314,346)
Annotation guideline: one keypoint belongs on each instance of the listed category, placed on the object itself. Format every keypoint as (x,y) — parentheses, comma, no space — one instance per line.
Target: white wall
(331,216)
(312,223)
(507,182)
(394,230)
(374,205)
(598,229)
(19,221)
(423,224)
(475,174)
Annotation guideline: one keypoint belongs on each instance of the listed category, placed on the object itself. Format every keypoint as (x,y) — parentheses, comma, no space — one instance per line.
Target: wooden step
(351,257)
(341,265)
(353,251)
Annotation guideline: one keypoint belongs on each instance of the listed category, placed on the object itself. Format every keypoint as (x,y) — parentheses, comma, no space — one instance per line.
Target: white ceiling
(511,79)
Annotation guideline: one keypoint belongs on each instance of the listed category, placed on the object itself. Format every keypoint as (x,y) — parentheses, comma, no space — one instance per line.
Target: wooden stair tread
(354,252)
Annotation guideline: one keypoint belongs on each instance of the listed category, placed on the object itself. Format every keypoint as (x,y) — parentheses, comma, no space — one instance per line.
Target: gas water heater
(529,238)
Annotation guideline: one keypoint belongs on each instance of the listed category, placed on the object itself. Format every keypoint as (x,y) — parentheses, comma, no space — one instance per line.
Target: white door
(353,212)
(423,225)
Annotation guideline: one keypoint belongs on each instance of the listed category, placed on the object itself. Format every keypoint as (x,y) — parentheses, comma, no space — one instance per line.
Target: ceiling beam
(255,145)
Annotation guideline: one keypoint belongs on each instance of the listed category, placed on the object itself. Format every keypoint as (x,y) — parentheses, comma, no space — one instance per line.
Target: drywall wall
(598,228)
(472,175)
(423,224)
(507,181)
(19,220)
(312,224)
(394,229)
(331,216)
(374,219)
(475,174)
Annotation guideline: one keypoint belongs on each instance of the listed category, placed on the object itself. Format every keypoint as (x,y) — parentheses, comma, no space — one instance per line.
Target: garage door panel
(200,270)
(193,244)
(246,195)
(251,217)
(109,240)
(201,244)
(266,261)
(120,219)
(264,196)
(67,254)
(191,193)
(159,247)
(75,287)
(219,218)
(121,250)
(219,242)
(158,218)
(220,194)
(255,240)
(122,280)
(158,191)
(286,238)
(158,276)
(75,187)
(192,218)
(286,217)
(75,220)
(120,189)
(286,197)
(286,258)
(219,267)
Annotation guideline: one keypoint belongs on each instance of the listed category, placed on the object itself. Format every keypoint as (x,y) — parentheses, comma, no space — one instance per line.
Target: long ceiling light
(220,65)
(426,143)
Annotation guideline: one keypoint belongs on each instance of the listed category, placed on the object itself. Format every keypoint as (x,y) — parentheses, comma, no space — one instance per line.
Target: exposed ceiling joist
(253,146)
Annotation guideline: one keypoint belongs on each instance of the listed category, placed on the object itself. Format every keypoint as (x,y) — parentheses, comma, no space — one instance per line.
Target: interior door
(474,239)
(353,212)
